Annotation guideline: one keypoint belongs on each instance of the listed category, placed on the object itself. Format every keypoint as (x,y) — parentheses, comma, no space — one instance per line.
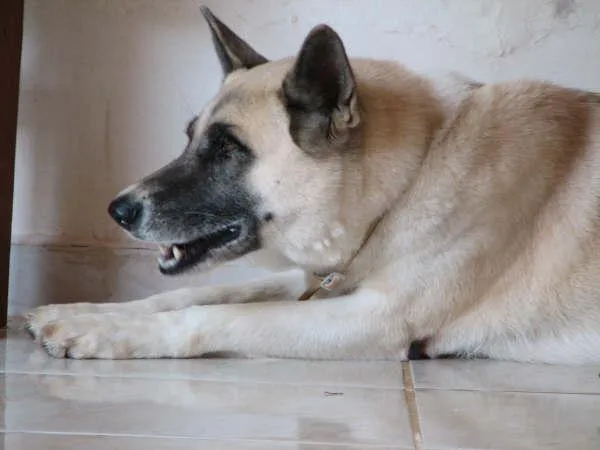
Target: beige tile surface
(505,376)
(203,409)
(289,404)
(286,404)
(28,441)
(509,421)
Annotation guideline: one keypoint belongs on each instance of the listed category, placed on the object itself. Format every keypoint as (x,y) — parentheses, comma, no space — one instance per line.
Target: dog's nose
(125,210)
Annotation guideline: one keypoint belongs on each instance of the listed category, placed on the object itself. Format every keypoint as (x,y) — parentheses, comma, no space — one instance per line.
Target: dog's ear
(320,94)
(233,52)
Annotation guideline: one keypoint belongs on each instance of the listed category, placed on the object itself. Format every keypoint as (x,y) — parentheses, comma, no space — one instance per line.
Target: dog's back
(499,242)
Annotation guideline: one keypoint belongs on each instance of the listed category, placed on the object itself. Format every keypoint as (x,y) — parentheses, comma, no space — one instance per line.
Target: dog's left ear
(320,94)
(234,53)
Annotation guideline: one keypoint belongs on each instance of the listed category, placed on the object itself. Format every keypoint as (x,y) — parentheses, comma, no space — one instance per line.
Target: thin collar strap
(331,280)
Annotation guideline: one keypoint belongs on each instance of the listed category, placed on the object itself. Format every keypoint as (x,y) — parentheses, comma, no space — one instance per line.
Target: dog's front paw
(36,319)
(103,336)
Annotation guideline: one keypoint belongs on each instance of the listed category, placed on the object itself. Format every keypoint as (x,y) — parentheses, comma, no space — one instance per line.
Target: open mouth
(175,258)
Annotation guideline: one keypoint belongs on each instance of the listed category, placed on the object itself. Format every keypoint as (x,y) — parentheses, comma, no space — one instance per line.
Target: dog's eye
(221,142)
(228,147)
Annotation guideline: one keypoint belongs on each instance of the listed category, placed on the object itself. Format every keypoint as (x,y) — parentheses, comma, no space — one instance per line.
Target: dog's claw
(30,332)
(54,350)
(46,348)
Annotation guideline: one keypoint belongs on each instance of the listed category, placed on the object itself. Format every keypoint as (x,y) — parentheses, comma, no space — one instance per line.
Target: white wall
(107,85)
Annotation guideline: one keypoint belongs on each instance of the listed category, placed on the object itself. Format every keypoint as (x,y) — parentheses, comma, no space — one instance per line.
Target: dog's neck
(398,123)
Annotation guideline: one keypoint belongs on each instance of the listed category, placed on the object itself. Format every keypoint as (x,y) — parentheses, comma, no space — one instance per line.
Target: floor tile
(505,376)
(26,441)
(509,421)
(203,409)
(20,354)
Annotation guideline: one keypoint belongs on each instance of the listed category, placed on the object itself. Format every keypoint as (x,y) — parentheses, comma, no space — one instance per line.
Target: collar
(330,281)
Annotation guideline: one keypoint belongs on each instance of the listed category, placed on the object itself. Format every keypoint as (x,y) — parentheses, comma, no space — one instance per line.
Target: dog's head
(263,162)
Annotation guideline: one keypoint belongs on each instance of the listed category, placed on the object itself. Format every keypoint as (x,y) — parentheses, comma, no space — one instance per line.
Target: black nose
(125,210)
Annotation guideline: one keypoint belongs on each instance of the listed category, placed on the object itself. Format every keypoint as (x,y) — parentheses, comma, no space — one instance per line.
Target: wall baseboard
(64,241)
(41,274)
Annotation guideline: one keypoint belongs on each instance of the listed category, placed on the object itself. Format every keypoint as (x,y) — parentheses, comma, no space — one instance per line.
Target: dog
(428,216)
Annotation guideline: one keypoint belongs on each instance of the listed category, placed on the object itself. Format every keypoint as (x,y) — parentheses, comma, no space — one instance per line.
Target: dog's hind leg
(362,325)
(279,287)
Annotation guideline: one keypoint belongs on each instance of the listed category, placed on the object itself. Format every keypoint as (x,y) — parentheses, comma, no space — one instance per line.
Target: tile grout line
(411,403)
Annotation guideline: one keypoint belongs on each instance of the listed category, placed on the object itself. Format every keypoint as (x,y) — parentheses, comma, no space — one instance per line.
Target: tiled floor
(53,404)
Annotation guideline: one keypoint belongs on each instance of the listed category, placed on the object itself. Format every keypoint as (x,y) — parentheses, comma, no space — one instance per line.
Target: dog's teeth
(164,250)
(177,253)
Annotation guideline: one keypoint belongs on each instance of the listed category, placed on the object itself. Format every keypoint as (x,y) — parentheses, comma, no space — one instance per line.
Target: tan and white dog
(461,216)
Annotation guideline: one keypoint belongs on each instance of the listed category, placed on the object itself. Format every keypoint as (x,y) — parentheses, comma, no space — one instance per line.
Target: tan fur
(489,243)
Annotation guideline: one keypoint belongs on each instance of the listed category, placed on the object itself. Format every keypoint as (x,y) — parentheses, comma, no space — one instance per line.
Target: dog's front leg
(361,325)
(288,285)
